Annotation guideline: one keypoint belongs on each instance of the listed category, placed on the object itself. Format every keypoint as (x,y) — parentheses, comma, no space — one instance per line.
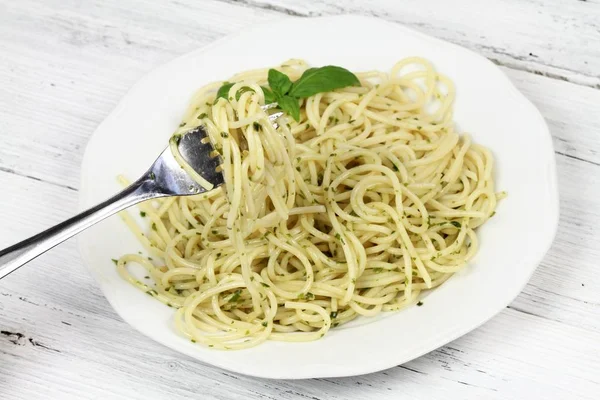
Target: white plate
(487,105)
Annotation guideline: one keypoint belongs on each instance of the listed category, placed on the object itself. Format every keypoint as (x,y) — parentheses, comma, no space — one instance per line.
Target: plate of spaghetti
(404,196)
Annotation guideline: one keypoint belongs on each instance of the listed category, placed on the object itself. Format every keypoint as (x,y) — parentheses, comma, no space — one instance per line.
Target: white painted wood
(556,38)
(65,64)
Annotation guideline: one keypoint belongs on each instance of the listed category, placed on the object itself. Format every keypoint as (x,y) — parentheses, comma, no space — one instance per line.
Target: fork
(164,178)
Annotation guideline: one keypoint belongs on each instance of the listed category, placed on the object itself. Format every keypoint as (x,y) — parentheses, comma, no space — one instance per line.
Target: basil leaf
(269,95)
(324,79)
(235,296)
(290,105)
(224,91)
(280,83)
(243,90)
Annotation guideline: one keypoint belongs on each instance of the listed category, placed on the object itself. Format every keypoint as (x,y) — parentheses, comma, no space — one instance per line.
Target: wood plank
(59,80)
(547,37)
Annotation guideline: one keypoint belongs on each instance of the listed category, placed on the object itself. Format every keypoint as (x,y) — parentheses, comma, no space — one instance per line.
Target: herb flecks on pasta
(364,197)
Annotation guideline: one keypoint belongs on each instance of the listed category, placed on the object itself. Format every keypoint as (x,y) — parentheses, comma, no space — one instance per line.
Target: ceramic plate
(487,105)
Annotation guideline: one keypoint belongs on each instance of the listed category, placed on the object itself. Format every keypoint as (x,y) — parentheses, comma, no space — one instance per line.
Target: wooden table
(64,64)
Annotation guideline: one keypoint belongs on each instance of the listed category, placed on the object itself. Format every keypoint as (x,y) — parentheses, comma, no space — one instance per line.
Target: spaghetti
(371,198)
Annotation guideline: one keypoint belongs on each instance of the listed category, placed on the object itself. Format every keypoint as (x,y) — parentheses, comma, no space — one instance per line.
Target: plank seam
(35,178)
(582,81)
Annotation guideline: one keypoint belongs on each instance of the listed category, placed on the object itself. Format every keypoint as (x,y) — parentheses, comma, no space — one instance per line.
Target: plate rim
(376,365)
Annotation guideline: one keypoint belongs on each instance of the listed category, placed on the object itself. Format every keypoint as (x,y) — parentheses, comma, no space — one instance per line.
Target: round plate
(487,105)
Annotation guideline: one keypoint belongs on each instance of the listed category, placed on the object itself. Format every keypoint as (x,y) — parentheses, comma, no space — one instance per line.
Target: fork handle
(18,254)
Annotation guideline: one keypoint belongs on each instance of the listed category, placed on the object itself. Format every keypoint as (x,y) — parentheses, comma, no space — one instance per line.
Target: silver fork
(164,178)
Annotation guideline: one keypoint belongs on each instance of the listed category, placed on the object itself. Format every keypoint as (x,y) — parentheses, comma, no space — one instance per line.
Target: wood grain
(547,37)
(65,64)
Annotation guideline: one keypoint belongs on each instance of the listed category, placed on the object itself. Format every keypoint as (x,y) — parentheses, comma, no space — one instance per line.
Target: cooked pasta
(371,198)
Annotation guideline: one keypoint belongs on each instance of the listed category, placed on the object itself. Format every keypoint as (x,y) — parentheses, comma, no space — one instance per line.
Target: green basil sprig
(287,94)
